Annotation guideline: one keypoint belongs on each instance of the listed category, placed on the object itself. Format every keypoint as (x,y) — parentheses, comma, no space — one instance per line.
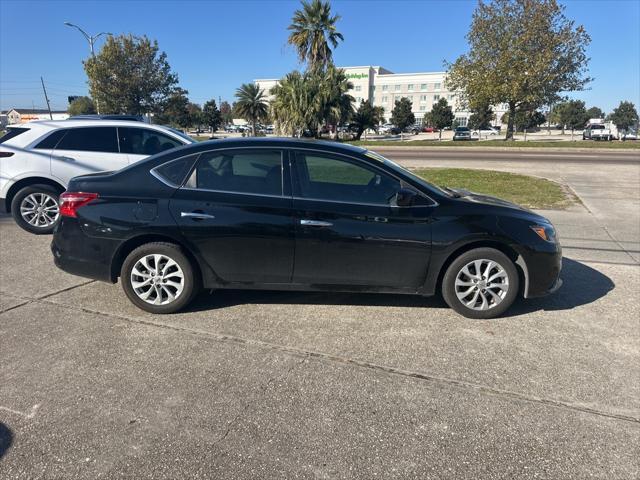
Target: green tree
(174,110)
(293,104)
(211,116)
(573,115)
(624,116)
(481,117)
(525,119)
(441,116)
(81,106)
(226,112)
(401,115)
(313,33)
(520,52)
(196,118)
(595,112)
(251,104)
(334,104)
(367,116)
(130,75)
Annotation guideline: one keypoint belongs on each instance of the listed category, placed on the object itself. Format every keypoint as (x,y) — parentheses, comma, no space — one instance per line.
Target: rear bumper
(76,253)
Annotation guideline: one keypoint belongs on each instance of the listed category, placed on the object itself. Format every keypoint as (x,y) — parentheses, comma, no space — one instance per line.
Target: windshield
(181,134)
(419,180)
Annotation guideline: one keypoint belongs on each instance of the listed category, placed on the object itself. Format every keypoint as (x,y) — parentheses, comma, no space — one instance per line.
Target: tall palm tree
(313,29)
(251,104)
(335,102)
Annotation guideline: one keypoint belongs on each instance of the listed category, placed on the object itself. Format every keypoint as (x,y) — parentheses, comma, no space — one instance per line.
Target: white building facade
(383,87)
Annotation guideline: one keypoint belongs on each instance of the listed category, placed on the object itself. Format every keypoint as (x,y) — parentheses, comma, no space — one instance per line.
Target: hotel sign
(357,75)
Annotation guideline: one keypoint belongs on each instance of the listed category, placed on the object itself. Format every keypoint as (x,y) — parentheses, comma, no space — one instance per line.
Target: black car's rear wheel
(159,278)
(481,283)
(35,208)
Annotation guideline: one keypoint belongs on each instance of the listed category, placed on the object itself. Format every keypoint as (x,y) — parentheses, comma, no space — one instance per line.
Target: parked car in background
(630,135)
(598,129)
(294,214)
(414,129)
(386,128)
(429,129)
(38,159)
(485,132)
(462,133)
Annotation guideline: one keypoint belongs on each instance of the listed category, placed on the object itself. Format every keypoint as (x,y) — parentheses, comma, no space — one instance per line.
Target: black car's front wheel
(159,278)
(481,283)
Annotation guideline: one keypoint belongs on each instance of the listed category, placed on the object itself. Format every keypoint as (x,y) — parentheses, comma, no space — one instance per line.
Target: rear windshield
(462,129)
(12,132)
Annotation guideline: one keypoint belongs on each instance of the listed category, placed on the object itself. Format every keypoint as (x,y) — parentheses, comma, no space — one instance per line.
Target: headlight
(545,232)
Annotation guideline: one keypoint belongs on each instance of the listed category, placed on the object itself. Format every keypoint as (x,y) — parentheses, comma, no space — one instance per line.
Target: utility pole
(91,39)
(46,98)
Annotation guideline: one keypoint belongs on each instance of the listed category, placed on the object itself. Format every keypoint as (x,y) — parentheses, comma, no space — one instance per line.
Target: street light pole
(91,39)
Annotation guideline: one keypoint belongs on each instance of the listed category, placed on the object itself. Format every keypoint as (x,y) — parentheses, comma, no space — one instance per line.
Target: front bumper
(542,272)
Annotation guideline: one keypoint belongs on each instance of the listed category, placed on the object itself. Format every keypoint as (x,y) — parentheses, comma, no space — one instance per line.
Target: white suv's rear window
(12,133)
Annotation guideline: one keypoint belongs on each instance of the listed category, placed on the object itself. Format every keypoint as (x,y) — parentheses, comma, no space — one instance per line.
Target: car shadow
(582,285)
(6,439)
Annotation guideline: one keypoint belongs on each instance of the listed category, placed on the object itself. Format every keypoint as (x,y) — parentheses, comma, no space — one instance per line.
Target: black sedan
(298,215)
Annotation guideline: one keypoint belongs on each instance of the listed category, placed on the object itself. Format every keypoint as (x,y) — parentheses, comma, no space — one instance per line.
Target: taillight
(6,154)
(70,202)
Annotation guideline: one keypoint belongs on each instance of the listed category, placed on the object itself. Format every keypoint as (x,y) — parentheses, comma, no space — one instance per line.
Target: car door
(348,231)
(236,210)
(85,150)
(141,142)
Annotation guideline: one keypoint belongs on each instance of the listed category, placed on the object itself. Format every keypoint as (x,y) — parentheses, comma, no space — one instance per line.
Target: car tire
(36,208)
(154,272)
(463,283)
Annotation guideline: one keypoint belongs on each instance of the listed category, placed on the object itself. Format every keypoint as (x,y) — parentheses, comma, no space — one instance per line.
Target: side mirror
(405,197)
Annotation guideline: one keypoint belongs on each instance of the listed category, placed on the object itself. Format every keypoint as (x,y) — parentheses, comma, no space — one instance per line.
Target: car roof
(53,124)
(281,142)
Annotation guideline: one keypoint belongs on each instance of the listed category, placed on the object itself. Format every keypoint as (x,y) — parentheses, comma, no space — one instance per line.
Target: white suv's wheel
(159,278)
(35,208)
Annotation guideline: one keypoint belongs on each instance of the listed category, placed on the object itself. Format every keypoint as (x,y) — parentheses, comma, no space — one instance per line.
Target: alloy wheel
(482,284)
(157,279)
(40,210)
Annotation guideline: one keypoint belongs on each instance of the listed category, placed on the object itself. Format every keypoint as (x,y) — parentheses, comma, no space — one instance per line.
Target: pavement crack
(333,358)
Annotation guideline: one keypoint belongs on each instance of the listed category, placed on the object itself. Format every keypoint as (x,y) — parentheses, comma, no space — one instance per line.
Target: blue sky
(214,46)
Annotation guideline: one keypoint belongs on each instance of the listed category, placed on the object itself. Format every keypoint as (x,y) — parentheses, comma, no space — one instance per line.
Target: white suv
(38,159)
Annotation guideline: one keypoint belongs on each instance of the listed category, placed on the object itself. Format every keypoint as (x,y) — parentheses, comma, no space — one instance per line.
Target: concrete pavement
(314,385)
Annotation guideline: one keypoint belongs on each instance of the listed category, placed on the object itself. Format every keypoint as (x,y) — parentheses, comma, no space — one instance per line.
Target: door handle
(196,215)
(67,159)
(315,223)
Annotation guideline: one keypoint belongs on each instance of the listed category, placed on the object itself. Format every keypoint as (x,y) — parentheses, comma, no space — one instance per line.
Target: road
(314,385)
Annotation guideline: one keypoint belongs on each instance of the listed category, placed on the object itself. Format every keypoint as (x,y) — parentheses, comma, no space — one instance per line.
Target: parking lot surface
(315,385)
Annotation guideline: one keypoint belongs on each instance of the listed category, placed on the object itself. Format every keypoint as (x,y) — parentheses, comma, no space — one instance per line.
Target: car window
(50,141)
(174,172)
(325,177)
(144,141)
(257,172)
(12,133)
(90,139)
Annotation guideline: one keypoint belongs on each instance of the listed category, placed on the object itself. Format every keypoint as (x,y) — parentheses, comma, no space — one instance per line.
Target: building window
(358,88)
(385,88)
(423,86)
(423,108)
(385,99)
(397,88)
(423,98)
(450,97)
(410,87)
(436,98)
(436,86)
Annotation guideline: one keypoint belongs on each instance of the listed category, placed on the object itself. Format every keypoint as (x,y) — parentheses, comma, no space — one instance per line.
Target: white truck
(598,129)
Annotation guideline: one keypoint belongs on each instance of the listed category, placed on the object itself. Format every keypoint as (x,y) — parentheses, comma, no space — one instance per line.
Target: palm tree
(293,104)
(335,105)
(251,104)
(312,30)
(367,116)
